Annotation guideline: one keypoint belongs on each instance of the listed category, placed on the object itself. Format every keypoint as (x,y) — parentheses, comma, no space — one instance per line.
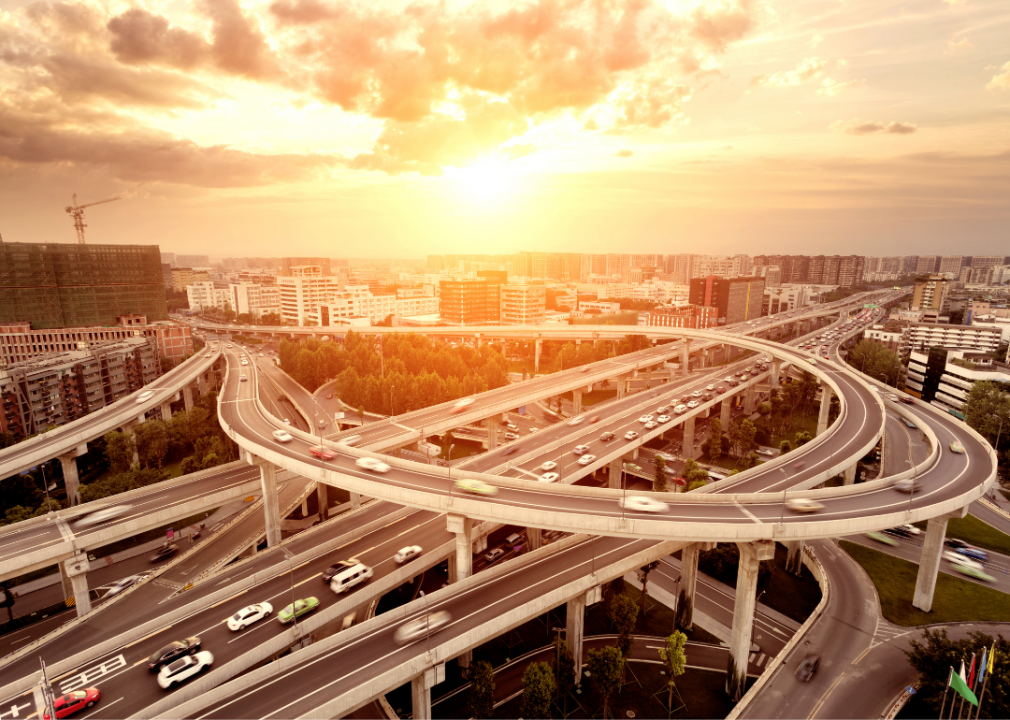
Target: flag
(992,657)
(981,668)
(957,682)
(971,673)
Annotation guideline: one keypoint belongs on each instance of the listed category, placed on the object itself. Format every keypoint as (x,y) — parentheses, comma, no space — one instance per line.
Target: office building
(944,377)
(183,277)
(736,299)
(927,264)
(472,302)
(303,291)
(930,293)
(51,285)
(254,298)
(60,387)
(288,264)
(982,338)
(696,317)
(523,304)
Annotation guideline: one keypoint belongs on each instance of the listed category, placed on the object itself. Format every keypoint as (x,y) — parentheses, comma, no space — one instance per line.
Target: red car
(74,702)
(322,453)
(594,419)
(329,396)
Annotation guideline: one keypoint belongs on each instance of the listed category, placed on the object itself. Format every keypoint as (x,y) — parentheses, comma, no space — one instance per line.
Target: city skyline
(672,128)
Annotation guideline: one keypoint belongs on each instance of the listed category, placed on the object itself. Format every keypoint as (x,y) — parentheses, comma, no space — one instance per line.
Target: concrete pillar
(776,368)
(462,527)
(201,383)
(576,402)
(685,357)
(751,554)
(749,397)
(323,500)
(305,506)
(614,474)
(648,378)
(166,410)
(725,413)
(537,362)
(271,510)
(822,416)
(688,584)
(535,536)
(727,352)
(492,432)
(621,386)
(187,397)
(76,569)
(70,478)
(849,474)
(575,620)
(689,450)
(929,561)
(794,557)
(128,429)
(355,500)
(420,696)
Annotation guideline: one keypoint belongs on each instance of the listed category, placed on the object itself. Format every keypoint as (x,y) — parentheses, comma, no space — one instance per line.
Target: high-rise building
(950,266)
(201,261)
(183,277)
(737,299)
(302,292)
(472,302)
(53,285)
(850,270)
(930,293)
(909,264)
(695,317)
(287,264)
(523,304)
(927,264)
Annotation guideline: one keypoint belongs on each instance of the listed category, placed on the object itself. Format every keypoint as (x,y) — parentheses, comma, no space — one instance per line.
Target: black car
(173,651)
(163,552)
(808,667)
(956,544)
(339,567)
(607,436)
(898,531)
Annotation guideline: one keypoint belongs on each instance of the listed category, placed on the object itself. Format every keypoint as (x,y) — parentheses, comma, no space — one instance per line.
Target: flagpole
(985,681)
(945,691)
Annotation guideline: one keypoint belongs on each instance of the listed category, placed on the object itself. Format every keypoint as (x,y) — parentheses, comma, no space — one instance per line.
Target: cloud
(964,43)
(139,36)
(832,87)
(624,153)
(1000,80)
(858,127)
(808,69)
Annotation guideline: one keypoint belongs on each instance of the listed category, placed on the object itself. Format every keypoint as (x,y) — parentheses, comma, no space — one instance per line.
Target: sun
(488,181)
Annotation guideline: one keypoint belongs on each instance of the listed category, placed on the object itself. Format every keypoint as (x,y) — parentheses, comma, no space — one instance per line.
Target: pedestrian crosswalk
(758,658)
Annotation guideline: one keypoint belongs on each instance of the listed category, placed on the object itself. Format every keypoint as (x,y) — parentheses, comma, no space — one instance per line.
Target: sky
(397,129)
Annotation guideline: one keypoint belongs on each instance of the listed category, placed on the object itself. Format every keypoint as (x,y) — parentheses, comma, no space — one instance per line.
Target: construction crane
(77,212)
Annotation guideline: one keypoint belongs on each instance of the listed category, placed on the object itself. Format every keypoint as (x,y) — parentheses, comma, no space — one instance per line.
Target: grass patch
(954,600)
(727,462)
(801,423)
(974,531)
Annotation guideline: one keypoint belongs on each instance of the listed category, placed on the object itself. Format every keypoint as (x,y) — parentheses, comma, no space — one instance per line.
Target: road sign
(521,410)
(171,533)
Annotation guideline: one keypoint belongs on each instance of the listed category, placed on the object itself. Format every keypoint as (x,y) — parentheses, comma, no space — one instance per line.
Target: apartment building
(183,277)
(523,304)
(736,299)
(922,336)
(474,301)
(697,317)
(254,298)
(930,293)
(60,387)
(303,291)
(20,343)
(944,377)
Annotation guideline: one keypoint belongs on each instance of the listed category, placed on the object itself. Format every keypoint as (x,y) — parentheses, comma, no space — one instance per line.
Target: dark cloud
(139,36)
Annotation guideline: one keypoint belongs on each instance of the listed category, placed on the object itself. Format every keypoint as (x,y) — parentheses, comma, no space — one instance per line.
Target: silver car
(419,627)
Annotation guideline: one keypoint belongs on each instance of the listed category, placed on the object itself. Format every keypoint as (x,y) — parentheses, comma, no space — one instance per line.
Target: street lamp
(291,570)
(1000,418)
(391,413)
(887,380)
(911,490)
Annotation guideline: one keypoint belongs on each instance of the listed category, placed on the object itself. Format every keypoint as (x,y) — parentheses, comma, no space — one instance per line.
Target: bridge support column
(614,474)
(355,500)
(776,368)
(688,449)
(794,557)
(685,357)
(749,396)
(166,410)
(271,510)
(536,364)
(622,385)
(576,402)
(725,413)
(76,569)
(492,432)
(128,429)
(536,538)
(420,691)
(849,475)
(929,561)
(822,416)
(201,383)
(648,378)
(187,397)
(71,479)
(751,555)
(462,527)
(323,500)
(574,625)
(684,618)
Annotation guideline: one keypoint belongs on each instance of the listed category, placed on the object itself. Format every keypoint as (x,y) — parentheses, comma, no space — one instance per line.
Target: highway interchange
(602,548)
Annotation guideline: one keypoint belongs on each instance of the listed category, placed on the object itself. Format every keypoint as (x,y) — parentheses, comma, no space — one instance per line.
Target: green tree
(741,437)
(784,447)
(119,448)
(659,481)
(936,654)
(674,660)
(987,410)
(153,439)
(606,667)
(482,690)
(874,360)
(623,614)
(802,438)
(538,690)
(564,669)
(714,444)
(694,475)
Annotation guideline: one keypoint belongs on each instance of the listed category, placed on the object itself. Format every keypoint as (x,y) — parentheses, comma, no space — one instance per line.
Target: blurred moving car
(463,404)
(282,436)
(550,477)
(372,464)
(640,503)
(803,505)
(586,459)
(297,609)
(146,395)
(908,485)
(549,465)
(184,668)
(957,447)
(75,701)
(322,453)
(163,552)
(173,651)
(808,667)
(407,554)
(474,485)
(419,627)
(103,515)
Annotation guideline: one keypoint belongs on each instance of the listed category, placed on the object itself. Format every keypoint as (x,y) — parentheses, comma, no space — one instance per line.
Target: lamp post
(911,490)
(45,485)
(291,570)
(887,381)
(998,433)
(391,413)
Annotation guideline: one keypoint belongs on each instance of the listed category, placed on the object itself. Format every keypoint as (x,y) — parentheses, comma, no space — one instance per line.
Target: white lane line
(749,514)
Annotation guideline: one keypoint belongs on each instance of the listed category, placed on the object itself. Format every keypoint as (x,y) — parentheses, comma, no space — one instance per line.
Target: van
(346,579)
(514,539)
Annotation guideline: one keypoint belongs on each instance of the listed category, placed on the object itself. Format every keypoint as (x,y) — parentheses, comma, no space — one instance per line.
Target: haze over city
(396,129)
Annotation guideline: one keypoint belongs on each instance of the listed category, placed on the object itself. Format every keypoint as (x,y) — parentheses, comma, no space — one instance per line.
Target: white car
(580,449)
(692,405)
(406,554)
(578,420)
(651,425)
(662,410)
(645,419)
(184,668)
(552,476)
(711,388)
(803,505)
(424,625)
(372,464)
(549,465)
(243,378)
(100,516)
(586,459)
(144,396)
(663,419)
(640,503)
(696,393)
(282,436)
(959,559)
(248,615)
(680,409)
(630,435)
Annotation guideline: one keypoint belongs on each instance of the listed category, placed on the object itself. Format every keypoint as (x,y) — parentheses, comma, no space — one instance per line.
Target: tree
(659,481)
(802,438)
(606,667)
(675,660)
(784,447)
(482,690)
(152,442)
(564,671)
(741,437)
(874,360)
(985,400)
(936,654)
(714,444)
(694,475)
(623,613)
(538,689)
(119,449)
